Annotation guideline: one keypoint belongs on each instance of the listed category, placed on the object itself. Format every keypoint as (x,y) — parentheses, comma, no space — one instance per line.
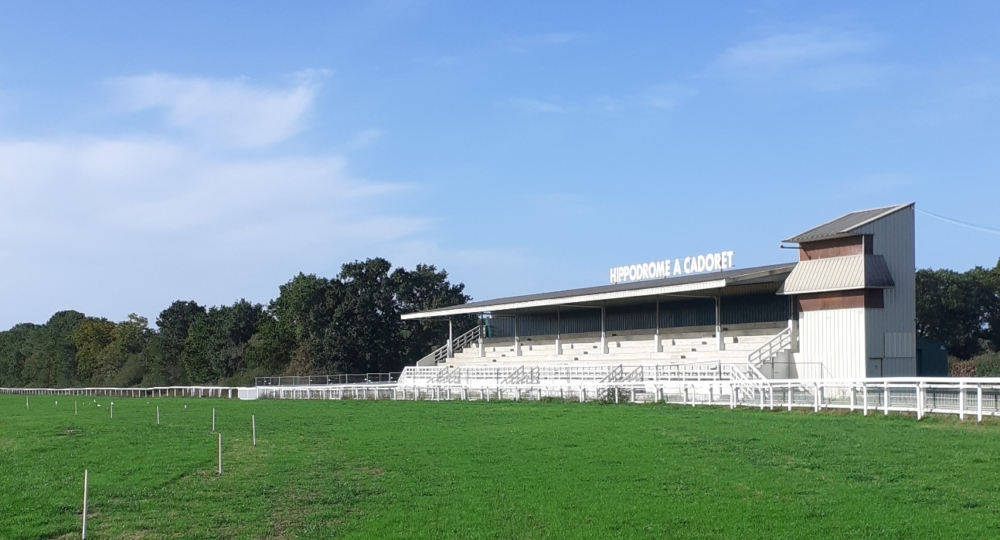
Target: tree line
(351,324)
(960,310)
(346,324)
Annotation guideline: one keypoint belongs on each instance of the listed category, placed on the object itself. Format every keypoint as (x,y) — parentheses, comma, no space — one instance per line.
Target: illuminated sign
(710,262)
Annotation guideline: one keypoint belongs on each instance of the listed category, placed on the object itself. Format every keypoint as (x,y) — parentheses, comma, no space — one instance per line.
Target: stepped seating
(633,347)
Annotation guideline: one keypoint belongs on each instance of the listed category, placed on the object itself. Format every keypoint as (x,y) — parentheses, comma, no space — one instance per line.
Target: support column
(451,347)
(558,333)
(720,344)
(482,346)
(604,334)
(657,346)
(517,341)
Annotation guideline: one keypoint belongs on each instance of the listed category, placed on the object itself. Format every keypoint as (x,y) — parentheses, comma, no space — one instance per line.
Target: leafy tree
(52,360)
(13,352)
(92,337)
(215,348)
(991,311)
(422,289)
(366,325)
(167,346)
(951,308)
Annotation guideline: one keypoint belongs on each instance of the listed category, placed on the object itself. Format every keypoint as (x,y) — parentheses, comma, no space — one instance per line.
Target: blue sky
(212,150)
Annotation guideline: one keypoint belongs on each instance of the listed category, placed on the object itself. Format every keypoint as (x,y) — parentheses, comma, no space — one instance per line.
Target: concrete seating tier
(633,347)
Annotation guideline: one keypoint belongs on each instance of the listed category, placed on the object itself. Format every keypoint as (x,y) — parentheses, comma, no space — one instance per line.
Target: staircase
(769,351)
(457,345)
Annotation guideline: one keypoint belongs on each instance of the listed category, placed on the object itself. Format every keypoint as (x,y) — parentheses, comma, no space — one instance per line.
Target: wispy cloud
(659,96)
(79,212)
(225,112)
(820,59)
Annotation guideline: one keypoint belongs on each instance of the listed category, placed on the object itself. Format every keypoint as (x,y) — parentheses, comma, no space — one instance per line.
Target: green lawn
(489,470)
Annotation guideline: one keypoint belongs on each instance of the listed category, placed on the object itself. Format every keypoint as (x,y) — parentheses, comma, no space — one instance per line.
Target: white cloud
(226,112)
(820,59)
(666,96)
(661,96)
(127,223)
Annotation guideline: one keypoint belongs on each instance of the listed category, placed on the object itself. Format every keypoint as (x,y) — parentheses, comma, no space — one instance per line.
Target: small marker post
(157,415)
(74,409)
(220,454)
(112,409)
(85,481)
(213,421)
(253,422)
(26,402)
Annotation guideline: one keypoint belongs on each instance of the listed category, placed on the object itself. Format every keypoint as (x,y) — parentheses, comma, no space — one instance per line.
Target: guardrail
(350,378)
(156,391)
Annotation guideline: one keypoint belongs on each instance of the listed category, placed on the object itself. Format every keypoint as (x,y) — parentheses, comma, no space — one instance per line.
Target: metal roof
(604,293)
(846,273)
(845,225)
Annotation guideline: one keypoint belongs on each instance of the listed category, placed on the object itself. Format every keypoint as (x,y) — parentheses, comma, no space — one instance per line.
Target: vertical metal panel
(636,317)
(893,238)
(756,308)
(835,338)
(694,312)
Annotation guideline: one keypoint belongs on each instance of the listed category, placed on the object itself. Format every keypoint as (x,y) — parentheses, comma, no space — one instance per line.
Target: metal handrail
(780,342)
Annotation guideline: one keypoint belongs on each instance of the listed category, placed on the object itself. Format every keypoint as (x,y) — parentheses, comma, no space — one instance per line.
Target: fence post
(920,402)
(979,402)
(961,400)
(885,396)
(85,484)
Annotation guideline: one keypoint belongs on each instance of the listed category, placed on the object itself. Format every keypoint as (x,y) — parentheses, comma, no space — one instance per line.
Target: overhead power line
(981,228)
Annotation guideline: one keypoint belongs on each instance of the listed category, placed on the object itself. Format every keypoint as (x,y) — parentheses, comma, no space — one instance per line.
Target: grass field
(489,470)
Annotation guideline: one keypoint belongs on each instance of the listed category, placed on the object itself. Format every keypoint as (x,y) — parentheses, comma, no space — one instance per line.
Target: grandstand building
(845,309)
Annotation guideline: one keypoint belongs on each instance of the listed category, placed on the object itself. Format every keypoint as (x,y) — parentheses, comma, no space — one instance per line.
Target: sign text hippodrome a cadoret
(710,262)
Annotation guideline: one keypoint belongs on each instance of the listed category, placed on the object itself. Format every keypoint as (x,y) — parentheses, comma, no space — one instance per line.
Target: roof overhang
(845,273)
(610,293)
(846,225)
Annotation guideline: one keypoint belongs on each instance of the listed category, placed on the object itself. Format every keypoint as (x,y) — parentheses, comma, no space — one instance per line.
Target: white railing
(156,391)
(457,344)
(967,397)
(781,342)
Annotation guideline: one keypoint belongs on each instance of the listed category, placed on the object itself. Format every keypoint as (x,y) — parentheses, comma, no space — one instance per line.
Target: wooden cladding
(836,247)
(861,298)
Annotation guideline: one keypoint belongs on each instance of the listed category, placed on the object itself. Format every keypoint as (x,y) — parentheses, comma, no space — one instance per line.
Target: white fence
(731,385)
(160,391)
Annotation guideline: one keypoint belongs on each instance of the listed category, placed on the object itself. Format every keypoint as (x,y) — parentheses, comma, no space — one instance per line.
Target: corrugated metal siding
(575,322)
(899,367)
(847,272)
(630,318)
(756,308)
(835,338)
(844,224)
(766,307)
(695,312)
(893,238)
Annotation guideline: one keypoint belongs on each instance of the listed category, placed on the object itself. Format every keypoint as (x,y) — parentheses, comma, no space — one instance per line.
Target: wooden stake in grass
(112,409)
(85,481)
(213,422)
(157,415)
(253,422)
(74,409)
(220,454)
(26,402)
